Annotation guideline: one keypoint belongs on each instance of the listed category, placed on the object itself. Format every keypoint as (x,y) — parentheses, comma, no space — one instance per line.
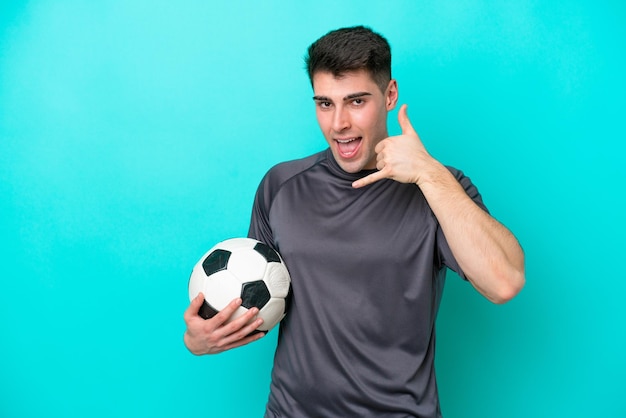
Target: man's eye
(324,105)
(358,102)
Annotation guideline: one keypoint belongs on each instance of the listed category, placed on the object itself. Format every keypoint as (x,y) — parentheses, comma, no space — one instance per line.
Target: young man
(367,229)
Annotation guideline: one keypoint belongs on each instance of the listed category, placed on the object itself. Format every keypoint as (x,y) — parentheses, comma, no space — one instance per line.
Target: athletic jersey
(367,268)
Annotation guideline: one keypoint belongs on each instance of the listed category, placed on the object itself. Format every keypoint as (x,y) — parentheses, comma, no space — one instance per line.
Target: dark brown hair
(351,49)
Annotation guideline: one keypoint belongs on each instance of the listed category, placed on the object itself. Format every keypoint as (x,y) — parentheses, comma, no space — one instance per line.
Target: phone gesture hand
(398,157)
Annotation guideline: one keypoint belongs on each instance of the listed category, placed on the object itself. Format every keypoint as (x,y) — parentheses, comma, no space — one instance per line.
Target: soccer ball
(246,268)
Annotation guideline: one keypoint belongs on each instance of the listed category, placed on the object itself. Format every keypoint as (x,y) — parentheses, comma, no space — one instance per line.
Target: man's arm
(486,251)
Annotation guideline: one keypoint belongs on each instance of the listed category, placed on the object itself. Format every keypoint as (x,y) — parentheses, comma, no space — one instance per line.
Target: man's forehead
(350,82)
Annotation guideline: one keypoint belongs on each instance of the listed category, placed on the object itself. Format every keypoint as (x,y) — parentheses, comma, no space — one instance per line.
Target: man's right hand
(214,335)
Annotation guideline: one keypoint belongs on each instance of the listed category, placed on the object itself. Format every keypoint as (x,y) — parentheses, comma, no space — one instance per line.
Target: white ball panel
(247,265)
(195,281)
(272,313)
(277,279)
(220,289)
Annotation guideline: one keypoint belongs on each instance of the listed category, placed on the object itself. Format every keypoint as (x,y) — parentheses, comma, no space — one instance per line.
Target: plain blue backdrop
(133,135)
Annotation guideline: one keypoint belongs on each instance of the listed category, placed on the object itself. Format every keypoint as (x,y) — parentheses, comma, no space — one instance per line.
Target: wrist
(432,172)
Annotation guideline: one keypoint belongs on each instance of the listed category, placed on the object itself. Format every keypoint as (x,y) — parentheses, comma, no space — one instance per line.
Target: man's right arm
(215,335)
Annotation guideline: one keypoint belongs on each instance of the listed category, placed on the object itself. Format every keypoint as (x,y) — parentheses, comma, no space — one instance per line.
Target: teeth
(345,141)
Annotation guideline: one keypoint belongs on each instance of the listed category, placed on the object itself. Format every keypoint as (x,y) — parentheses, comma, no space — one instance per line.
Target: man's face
(352,114)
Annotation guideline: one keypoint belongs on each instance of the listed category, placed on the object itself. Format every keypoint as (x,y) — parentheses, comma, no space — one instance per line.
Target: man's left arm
(487,252)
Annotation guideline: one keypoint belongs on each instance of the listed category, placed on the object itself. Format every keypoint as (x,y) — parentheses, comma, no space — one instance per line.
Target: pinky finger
(372,178)
(245,341)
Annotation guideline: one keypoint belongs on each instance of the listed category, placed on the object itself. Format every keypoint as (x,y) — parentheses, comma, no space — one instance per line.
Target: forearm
(487,252)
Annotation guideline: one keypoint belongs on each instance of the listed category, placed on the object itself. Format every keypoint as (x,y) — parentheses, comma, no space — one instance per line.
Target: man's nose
(341,120)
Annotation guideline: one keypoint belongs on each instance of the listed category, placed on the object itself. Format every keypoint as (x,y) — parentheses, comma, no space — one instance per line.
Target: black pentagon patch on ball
(206,311)
(216,261)
(254,294)
(267,252)
(256,331)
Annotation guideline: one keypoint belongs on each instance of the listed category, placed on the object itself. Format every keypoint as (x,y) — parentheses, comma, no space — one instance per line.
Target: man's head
(349,50)
(350,72)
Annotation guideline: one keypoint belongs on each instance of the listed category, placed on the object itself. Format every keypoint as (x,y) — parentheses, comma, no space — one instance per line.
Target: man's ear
(391,95)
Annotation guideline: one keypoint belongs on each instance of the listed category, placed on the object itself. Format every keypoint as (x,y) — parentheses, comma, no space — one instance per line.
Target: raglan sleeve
(260,228)
(446,257)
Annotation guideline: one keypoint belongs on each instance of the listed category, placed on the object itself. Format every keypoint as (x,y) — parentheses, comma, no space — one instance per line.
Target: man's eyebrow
(348,97)
(357,95)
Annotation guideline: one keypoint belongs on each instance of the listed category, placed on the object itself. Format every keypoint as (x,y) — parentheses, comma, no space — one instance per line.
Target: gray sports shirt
(367,267)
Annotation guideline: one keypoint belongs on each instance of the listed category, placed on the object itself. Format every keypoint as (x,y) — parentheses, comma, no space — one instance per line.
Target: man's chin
(352,167)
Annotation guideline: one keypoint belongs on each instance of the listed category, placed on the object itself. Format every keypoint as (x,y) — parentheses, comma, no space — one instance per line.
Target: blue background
(133,135)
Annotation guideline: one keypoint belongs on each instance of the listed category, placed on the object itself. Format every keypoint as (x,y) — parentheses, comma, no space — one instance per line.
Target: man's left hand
(400,158)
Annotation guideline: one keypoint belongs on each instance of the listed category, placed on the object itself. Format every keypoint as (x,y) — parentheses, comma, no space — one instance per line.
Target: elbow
(501,280)
(509,287)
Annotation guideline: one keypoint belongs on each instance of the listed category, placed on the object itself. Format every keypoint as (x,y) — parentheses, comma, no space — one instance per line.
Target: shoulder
(460,176)
(468,185)
(282,172)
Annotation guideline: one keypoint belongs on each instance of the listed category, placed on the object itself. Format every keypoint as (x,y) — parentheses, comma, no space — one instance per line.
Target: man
(367,229)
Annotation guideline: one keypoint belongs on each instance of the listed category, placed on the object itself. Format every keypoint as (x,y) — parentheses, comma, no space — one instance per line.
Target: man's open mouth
(348,146)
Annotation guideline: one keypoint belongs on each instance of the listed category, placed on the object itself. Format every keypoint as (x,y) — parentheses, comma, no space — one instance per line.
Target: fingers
(220,325)
(241,332)
(405,123)
(237,332)
(222,316)
(374,177)
(396,155)
(220,332)
(246,320)
(244,341)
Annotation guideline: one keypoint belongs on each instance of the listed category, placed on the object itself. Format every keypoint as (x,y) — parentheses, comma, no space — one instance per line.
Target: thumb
(198,300)
(194,306)
(405,123)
